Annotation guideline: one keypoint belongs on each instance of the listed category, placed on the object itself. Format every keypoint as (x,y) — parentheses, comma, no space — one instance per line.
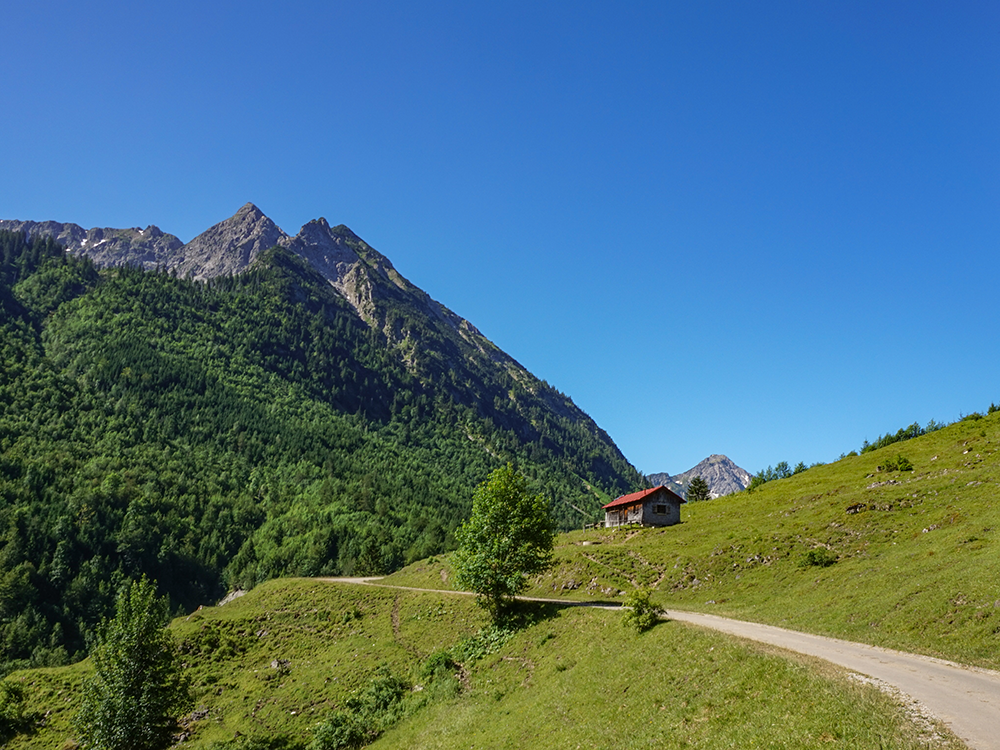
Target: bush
(439,664)
(341,731)
(487,641)
(819,557)
(11,709)
(379,706)
(257,743)
(899,463)
(640,612)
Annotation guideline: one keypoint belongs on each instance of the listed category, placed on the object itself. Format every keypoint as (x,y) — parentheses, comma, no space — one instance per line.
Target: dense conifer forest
(213,435)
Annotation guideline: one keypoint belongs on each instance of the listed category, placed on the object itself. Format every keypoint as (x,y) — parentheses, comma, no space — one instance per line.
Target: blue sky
(768,230)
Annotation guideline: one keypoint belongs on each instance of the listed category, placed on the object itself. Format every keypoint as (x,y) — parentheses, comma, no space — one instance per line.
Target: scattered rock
(887,482)
(230,597)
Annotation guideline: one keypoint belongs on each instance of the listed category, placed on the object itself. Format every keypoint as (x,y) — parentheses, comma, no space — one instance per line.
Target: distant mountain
(147,248)
(227,248)
(723,476)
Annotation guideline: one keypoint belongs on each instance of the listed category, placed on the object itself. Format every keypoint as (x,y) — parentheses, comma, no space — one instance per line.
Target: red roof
(638,497)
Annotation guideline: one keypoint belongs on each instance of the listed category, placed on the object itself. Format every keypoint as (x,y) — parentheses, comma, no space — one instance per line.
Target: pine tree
(698,490)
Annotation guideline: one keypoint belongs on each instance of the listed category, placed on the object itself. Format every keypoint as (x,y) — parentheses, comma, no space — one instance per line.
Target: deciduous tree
(508,538)
(137,692)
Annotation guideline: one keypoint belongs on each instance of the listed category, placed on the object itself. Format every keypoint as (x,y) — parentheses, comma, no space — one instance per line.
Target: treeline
(214,435)
(902,434)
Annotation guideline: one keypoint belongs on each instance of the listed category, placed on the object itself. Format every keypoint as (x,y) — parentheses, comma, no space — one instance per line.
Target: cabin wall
(670,516)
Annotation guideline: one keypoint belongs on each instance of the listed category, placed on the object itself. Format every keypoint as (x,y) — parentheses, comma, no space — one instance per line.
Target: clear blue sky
(768,230)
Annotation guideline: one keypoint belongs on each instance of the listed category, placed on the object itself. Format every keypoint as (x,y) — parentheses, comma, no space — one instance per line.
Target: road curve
(966,699)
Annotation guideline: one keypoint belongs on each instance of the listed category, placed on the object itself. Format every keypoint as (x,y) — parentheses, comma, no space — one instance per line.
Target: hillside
(903,559)
(216,434)
(269,666)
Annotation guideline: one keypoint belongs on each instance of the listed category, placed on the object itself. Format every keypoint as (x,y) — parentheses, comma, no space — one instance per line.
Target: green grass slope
(266,668)
(902,559)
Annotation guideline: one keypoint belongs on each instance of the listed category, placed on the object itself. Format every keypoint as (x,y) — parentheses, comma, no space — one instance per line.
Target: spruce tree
(698,490)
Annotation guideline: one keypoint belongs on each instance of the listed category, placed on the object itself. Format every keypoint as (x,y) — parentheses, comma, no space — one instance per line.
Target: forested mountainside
(213,434)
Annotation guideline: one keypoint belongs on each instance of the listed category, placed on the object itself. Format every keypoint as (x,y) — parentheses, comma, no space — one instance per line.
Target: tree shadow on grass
(523,613)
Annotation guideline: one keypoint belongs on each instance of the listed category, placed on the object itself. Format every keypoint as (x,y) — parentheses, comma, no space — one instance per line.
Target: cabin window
(660,510)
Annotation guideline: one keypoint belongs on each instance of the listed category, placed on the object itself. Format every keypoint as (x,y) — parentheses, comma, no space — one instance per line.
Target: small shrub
(486,641)
(350,615)
(819,557)
(341,731)
(366,716)
(640,612)
(257,743)
(899,463)
(439,664)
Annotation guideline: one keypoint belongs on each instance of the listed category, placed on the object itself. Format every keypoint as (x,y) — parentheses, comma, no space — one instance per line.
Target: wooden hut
(656,507)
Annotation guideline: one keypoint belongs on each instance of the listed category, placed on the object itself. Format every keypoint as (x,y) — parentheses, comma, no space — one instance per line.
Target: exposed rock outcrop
(149,247)
(230,246)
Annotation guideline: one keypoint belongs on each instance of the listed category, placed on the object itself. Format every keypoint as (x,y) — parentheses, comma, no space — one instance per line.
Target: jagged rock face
(147,247)
(723,476)
(333,251)
(230,246)
(227,248)
(361,274)
(659,478)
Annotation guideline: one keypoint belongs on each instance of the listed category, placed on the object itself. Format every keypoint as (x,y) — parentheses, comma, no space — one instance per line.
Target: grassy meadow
(902,559)
(269,666)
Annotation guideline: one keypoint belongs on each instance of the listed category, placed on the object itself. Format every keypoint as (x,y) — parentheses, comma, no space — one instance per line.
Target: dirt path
(967,699)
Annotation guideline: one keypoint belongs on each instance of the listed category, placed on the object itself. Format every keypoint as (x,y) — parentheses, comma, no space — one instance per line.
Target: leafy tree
(698,490)
(137,691)
(508,537)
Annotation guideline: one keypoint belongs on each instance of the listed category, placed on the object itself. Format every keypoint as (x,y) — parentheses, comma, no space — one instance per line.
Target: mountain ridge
(359,273)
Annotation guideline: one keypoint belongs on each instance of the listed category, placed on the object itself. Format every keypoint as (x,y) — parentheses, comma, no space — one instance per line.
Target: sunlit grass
(916,554)
(279,660)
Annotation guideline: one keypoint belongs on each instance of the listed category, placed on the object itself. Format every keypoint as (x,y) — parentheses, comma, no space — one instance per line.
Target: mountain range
(722,475)
(360,275)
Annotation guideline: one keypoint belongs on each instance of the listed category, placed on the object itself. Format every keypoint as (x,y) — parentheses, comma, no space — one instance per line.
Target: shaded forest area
(213,435)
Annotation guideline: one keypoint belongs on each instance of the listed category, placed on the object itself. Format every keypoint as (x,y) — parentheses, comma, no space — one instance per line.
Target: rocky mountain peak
(249,209)
(230,246)
(723,476)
